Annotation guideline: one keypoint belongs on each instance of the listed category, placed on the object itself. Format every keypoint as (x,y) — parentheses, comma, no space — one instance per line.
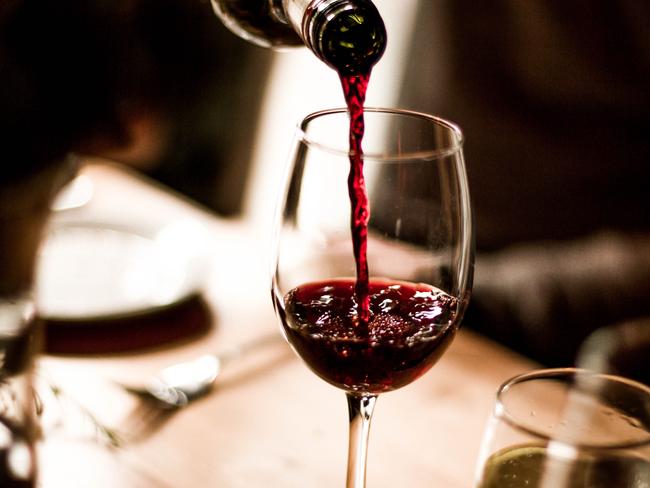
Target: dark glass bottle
(348,35)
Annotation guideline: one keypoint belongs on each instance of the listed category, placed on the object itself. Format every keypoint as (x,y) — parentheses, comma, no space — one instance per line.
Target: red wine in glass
(409,327)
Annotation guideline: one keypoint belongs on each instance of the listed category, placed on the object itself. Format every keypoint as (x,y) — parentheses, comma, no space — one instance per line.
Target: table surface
(269,421)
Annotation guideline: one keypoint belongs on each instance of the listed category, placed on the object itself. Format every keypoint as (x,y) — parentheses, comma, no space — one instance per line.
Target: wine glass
(418,244)
(567,428)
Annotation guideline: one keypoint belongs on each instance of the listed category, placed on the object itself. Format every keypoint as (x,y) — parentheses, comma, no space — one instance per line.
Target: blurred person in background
(145,82)
(554,101)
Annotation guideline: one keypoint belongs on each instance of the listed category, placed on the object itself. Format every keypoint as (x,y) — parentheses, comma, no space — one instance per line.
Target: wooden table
(270,422)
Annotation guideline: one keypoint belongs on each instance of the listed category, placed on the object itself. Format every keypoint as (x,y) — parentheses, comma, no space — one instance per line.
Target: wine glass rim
(550,373)
(422,155)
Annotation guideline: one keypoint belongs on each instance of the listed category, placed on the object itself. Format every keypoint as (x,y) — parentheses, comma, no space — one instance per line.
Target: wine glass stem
(360,408)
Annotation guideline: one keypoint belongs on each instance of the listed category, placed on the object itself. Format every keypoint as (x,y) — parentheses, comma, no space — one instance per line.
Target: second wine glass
(567,428)
(372,329)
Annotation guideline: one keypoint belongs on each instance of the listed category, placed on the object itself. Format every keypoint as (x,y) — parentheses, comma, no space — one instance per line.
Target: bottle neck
(348,35)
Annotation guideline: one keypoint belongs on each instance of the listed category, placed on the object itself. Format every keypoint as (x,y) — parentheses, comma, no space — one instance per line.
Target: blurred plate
(94,271)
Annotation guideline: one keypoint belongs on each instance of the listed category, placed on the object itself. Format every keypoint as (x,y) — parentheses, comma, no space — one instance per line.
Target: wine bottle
(348,35)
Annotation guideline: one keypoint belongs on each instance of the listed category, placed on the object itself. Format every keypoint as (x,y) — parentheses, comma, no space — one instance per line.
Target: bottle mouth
(348,35)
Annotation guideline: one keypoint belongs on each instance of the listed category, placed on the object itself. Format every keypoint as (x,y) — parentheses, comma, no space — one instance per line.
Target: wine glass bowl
(417,246)
(398,346)
(418,249)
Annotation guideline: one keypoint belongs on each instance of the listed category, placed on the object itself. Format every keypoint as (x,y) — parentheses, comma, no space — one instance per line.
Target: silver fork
(177,385)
